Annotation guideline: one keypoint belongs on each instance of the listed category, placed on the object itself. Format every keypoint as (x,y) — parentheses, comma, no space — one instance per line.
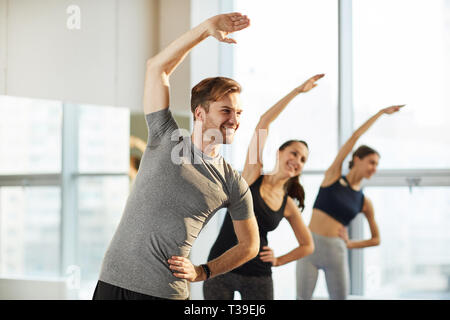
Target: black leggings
(106,291)
(223,287)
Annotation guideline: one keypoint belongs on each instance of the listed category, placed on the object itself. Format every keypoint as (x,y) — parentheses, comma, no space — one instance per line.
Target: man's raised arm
(161,66)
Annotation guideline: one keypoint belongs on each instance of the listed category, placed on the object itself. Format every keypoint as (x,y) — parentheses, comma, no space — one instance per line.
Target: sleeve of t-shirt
(161,127)
(241,202)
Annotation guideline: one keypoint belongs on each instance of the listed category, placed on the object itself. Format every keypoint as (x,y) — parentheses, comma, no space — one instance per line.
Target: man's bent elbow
(154,66)
(253,249)
(249,249)
(150,64)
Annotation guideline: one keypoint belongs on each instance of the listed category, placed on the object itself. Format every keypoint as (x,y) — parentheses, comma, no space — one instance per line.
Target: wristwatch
(207,270)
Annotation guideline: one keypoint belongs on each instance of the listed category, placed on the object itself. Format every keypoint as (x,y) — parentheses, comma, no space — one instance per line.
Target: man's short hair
(210,90)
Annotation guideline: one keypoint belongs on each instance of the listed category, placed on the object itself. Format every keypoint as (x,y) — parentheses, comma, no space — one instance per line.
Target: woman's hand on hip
(344,235)
(267,255)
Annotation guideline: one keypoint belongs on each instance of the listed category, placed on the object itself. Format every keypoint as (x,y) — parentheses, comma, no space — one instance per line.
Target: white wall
(175,20)
(138,25)
(33,289)
(3,28)
(104,61)
(101,63)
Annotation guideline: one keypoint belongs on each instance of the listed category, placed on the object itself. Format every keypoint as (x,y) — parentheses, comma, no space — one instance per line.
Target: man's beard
(218,135)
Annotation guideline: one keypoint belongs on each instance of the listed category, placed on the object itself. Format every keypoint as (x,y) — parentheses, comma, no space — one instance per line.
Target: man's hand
(184,269)
(223,24)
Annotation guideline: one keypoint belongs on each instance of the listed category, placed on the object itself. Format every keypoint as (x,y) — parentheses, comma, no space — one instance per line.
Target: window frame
(66,180)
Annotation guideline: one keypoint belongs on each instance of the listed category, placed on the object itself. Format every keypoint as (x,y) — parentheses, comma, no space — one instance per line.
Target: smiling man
(176,193)
(216,105)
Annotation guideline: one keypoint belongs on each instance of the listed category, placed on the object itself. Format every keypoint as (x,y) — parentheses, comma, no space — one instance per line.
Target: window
(30,136)
(63,186)
(400,51)
(290,53)
(401,56)
(101,201)
(413,259)
(30,231)
(271,61)
(101,132)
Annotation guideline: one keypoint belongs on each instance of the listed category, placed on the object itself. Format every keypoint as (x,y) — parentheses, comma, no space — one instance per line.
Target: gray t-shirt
(167,208)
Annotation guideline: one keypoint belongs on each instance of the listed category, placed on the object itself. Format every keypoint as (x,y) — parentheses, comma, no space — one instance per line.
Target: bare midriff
(324,225)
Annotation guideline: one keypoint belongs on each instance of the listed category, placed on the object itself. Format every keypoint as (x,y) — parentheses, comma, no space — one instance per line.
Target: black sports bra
(340,201)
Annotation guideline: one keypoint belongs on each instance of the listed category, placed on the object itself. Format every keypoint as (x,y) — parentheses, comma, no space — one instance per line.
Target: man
(181,183)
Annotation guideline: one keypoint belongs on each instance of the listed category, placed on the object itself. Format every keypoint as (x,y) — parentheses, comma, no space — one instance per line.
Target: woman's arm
(375,238)
(253,161)
(161,66)
(334,171)
(302,233)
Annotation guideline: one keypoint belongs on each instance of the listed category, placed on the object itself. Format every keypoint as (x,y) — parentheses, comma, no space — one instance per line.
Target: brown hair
(212,89)
(361,152)
(293,187)
(135,162)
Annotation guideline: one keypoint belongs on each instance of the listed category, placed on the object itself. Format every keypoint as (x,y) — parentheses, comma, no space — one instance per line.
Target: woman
(339,200)
(274,197)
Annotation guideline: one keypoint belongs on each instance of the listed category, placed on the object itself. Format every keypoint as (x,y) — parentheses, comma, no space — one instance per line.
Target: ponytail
(295,190)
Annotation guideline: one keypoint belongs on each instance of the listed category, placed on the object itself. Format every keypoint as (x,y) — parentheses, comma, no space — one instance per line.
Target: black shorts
(106,291)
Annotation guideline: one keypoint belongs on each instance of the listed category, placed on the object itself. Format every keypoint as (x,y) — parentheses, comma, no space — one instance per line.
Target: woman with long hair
(275,196)
(339,200)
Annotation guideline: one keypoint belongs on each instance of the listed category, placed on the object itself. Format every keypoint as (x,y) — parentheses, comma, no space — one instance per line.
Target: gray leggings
(330,255)
(223,287)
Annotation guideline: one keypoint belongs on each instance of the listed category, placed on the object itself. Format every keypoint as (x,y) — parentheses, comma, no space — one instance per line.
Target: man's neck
(207,147)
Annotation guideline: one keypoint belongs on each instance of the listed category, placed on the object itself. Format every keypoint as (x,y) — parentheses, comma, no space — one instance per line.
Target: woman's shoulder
(330,178)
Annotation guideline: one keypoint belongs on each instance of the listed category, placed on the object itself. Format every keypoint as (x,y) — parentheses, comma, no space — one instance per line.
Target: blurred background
(71,87)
